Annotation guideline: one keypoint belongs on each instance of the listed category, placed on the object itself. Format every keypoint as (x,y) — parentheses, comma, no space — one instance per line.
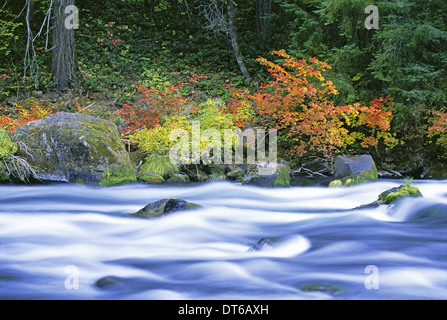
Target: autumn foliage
(439,128)
(298,101)
(20,115)
(153,107)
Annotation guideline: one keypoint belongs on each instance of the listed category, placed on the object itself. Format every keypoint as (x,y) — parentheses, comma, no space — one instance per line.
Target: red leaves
(154,106)
(439,122)
(298,101)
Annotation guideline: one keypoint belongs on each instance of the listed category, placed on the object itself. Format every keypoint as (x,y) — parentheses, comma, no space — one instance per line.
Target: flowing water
(78,242)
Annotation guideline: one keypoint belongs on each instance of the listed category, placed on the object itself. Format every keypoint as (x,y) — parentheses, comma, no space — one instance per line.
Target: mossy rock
(165,206)
(332,289)
(236,175)
(217,177)
(178,179)
(283,179)
(117,175)
(397,193)
(357,178)
(151,178)
(68,147)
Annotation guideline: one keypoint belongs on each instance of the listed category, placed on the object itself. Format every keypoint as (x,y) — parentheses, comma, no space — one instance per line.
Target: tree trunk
(233,37)
(63,60)
(263,10)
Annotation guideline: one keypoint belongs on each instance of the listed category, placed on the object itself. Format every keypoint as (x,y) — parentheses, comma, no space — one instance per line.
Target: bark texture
(63,61)
(233,37)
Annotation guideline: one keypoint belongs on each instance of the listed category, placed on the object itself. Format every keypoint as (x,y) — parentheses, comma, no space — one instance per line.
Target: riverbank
(76,148)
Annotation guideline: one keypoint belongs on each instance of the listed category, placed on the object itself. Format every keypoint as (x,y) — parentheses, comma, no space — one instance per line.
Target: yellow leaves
(156,140)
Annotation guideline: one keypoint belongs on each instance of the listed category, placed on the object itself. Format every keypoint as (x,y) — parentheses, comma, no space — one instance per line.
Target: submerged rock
(420,210)
(67,147)
(165,206)
(332,289)
(282,246)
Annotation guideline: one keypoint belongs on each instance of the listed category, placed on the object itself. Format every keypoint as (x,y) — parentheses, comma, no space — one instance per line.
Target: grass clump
(156,164)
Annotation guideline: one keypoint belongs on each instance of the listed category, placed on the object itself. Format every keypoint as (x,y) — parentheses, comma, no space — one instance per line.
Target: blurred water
(78,242)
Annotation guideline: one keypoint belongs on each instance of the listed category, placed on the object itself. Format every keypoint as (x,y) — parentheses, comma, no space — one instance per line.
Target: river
(79,242)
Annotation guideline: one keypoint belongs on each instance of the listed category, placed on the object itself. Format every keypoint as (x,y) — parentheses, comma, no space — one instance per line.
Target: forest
(312,69)
(223,150)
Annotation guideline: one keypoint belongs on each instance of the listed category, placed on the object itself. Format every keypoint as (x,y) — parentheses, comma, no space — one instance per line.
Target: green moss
(4,176)
(353,179)
(336,184)
(178,179)
(117,175)
(7,146)
(79,181)
(217,176)
(151,178)
(283,179)
(401,192)
(236,175)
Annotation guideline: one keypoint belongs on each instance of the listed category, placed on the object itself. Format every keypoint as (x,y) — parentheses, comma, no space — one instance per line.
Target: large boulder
(67,147)
(350,170)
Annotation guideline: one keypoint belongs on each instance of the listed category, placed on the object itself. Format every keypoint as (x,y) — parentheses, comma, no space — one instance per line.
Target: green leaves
(7,147)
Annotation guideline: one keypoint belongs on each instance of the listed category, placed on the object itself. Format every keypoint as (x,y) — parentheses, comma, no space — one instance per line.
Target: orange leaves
(298,101)
(439,122)
(438,128)
(22,114)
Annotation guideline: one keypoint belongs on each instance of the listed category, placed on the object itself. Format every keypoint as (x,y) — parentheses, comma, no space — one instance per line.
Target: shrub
(156,140)
(7,147)
(22,114)
(154,107)
(208,114)
(438,128)
(299,103)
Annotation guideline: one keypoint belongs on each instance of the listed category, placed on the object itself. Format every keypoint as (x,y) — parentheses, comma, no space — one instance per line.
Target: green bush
(7,147)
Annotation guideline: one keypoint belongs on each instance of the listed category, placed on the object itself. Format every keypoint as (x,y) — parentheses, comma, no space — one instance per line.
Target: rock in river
(165,206)
(67,147)
(350,170)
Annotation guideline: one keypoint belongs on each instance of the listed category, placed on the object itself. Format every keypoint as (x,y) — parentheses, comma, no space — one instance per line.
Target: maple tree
(298,101)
